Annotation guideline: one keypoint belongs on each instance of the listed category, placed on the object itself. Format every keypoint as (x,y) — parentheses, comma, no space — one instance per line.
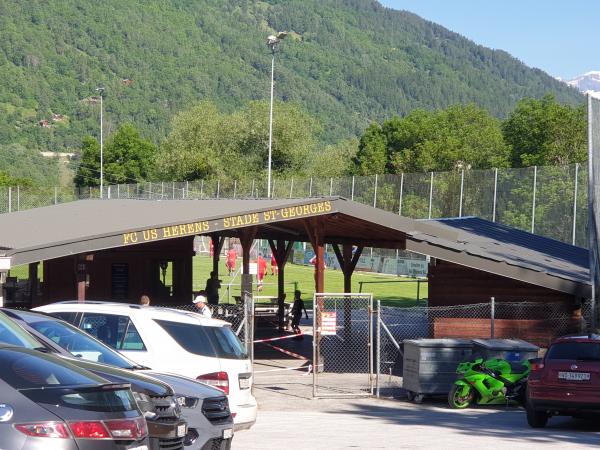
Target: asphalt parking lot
(290,418)
(390,424)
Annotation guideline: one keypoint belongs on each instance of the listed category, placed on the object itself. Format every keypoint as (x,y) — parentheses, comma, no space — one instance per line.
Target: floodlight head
(282,35)
(100,89)
(274,39)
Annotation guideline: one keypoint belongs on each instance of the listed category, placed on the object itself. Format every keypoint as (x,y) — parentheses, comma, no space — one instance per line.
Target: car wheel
(536,419)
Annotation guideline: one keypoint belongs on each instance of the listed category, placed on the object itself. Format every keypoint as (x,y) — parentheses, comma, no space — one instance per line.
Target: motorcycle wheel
(456,401)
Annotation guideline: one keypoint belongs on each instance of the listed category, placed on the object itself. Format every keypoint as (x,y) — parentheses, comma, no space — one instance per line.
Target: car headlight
(145,404)
(187,402)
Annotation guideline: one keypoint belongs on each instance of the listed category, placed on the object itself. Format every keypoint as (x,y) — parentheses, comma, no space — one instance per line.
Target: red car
(566,381)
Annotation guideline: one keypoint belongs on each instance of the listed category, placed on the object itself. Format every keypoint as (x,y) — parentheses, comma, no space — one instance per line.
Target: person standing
(297,309)
(274,267)
(262,270)
(231,260)
(201,306)
(212,289)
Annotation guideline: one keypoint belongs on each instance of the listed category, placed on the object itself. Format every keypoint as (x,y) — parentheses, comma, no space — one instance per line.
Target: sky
(559,37)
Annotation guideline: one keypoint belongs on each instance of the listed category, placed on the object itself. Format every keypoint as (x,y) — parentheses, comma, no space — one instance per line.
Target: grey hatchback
(49,403)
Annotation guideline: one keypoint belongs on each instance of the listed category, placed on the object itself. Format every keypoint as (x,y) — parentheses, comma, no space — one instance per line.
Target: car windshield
(13,334)
(206,341)
(578,351)
(75,341)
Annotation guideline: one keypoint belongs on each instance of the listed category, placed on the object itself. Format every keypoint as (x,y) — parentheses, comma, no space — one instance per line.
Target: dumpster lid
(506,344)
(450,343)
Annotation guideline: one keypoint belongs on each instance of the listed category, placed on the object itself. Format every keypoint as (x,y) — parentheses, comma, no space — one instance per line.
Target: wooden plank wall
(452,284)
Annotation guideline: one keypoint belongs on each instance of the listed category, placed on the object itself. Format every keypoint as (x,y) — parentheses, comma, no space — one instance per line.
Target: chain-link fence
(550,201)
(538,323)
(342,345)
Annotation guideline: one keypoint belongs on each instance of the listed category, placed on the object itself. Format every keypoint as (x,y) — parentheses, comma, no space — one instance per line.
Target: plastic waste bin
(430,365)
(512,350)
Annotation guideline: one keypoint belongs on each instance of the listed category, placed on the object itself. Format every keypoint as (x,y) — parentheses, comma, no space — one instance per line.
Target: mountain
(588,83)
(348,62)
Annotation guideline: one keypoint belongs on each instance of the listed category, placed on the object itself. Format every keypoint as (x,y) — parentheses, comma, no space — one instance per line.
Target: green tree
(88,170)
(544,132)
(127,158)
(461,136)
(207,143)
(371,157)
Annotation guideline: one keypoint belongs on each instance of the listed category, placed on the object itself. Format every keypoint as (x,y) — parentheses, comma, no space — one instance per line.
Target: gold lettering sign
(238,221)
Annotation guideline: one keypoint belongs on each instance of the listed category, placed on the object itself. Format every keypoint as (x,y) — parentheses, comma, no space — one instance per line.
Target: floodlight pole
(101,91)
(271,122)
(272,42)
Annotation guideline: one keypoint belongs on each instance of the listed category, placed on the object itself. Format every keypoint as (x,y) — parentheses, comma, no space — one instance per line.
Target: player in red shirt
(231,260)
(274,267)
(262,270)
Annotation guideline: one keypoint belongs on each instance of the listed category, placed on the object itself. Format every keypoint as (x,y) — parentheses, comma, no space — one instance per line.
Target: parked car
(566,381)
(171,341)
(154,398)
(205,409)
(48,403)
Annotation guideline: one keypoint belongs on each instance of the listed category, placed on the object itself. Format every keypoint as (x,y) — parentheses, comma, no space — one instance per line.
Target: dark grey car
(48,403)
(206,409)
(154,397)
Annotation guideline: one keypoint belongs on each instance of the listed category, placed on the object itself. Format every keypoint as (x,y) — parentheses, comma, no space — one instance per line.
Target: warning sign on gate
(328,323)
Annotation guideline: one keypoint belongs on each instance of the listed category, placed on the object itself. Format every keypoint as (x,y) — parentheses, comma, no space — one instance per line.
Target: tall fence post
(18,198)
(533,201)
(430,193)
(9,199)
(375,193)
(218,188)
(495,194)
(492,316)
(575,202)
(173,188)
(378,354)
(55,195)
(462,184)
(331,186)
(234,188)
(352,193)
(291,187)
(202,187)
(401,192)
(310,188)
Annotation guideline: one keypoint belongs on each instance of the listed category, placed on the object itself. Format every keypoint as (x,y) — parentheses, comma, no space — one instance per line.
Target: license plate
(181,430)
(574,376)
(228,433)
(244,383)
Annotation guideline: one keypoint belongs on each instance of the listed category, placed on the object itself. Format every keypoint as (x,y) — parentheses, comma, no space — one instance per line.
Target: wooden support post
(347,263)
(315,229)
(81,272)
(33,283)
(281,251)
(246,236)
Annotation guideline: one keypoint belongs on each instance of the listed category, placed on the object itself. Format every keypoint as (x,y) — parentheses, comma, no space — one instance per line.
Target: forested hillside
(348,62)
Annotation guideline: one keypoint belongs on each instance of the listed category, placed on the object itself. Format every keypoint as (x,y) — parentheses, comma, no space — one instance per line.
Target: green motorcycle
(491,382)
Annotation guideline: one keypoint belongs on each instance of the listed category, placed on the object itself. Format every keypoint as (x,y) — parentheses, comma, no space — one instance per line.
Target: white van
(170,340)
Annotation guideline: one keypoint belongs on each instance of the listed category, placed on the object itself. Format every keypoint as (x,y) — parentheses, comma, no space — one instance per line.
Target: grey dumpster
(430,365)
(513,350)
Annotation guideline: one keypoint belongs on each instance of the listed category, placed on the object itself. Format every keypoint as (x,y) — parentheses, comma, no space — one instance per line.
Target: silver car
(205,409)
(48,403)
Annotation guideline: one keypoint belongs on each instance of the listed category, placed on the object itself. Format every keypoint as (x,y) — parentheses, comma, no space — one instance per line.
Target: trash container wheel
(419,398)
